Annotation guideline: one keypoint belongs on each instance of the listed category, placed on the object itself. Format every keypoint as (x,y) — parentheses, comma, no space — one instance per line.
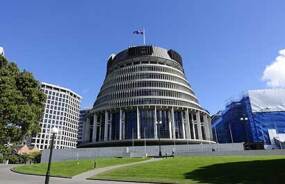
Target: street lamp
(53,131)
(245,128)
(158,123)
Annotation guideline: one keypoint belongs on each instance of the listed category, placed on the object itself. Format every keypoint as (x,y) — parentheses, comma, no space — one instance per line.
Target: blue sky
(225,45)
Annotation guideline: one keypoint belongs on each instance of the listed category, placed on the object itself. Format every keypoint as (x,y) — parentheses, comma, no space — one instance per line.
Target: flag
(138,32)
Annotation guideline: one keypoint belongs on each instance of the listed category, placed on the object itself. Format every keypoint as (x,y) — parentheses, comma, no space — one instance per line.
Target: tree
(21,103)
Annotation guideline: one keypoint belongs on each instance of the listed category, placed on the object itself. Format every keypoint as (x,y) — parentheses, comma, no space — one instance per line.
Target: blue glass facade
(115,126)
(147,123)
(131,124)
(178,125)
(163,116)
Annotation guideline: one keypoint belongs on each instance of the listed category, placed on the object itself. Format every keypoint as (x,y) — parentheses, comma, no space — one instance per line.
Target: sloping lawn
(72,168)
(204,169)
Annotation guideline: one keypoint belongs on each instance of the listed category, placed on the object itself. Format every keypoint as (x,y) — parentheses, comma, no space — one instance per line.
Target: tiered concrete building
(146,97)
(61,111)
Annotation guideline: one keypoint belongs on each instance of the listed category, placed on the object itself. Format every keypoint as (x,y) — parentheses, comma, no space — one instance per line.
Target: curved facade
(145,96)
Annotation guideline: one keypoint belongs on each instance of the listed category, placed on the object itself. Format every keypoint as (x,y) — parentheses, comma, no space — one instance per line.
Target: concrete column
(193,126)
(123,124)
(110,127)
(173,123)
(206,127)
(170,124)
(87,130)
(94,128)
(138,124)
(210,127)
(106,126)
(120,125)
(183,125)
(188,132)
(155,126)
(199,127)
(100,127)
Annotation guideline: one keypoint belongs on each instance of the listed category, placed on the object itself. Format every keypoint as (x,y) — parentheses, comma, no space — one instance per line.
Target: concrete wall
(140,151)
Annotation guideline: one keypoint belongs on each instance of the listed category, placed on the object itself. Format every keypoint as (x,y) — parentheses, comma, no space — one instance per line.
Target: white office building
(62,111)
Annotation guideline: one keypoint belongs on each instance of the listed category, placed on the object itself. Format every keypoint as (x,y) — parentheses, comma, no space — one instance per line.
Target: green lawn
(205,169)
(72,168)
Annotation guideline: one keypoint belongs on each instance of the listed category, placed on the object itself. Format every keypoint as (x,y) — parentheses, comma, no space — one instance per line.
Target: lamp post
(231,134)
(54,131)
(158,123)
(245,120)
(278,138)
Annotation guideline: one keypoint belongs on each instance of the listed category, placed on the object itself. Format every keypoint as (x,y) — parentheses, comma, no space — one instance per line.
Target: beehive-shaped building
(145,97)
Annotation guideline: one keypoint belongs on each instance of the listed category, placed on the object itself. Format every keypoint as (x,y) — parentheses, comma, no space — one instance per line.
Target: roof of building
(24,149)
(267,100)
(59,87)
(145,50)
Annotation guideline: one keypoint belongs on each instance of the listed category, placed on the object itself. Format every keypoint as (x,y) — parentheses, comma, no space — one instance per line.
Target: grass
(204,169)
(72,168)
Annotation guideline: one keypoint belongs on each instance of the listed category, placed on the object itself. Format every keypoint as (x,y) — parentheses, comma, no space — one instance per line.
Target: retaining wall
(140,151)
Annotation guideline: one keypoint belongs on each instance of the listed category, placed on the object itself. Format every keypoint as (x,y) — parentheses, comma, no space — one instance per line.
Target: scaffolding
(251,118)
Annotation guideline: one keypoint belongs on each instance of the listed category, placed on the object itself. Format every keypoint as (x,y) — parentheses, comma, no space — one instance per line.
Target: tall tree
(21,103)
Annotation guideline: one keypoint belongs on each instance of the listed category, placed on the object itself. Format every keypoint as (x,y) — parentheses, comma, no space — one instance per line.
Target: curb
(134,181)
(54,176)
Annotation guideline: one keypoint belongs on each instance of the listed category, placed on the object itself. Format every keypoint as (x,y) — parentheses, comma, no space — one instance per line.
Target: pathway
(94,172)
(9,177)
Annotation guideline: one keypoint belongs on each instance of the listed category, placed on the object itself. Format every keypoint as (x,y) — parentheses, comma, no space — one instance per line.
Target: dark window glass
(147,123)
(162,115)
(115,126)
(178,125)
(130,125)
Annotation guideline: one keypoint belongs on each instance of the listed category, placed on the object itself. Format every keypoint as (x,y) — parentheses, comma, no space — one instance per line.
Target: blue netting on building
(248,121)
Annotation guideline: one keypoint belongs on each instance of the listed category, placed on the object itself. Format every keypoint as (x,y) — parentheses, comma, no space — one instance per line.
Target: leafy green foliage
(21,103)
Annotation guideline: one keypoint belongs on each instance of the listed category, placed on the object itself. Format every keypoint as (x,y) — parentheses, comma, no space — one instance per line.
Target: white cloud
(1,51)
(274,74)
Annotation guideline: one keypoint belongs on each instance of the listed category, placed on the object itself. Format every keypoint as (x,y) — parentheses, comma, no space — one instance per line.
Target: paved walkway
(9,177)
(94,172)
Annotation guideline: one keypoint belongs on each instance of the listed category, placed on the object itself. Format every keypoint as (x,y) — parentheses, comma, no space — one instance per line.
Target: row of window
(133,62)
(144,101)
(138,76)
(60,93)
(145,92)
(65,117)
(142,68)
(71,132)
(57,141)
(140,84)
(70,106)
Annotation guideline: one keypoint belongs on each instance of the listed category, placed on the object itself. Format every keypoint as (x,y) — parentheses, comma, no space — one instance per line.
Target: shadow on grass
(248,172)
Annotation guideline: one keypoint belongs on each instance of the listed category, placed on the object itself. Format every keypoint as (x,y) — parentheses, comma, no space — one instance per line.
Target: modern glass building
(258,117)
(145,97)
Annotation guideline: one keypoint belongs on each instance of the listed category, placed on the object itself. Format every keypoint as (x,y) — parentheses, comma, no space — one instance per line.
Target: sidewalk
(94,172)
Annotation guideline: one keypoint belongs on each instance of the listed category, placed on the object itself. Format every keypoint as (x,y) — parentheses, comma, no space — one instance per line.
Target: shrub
(13,159)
